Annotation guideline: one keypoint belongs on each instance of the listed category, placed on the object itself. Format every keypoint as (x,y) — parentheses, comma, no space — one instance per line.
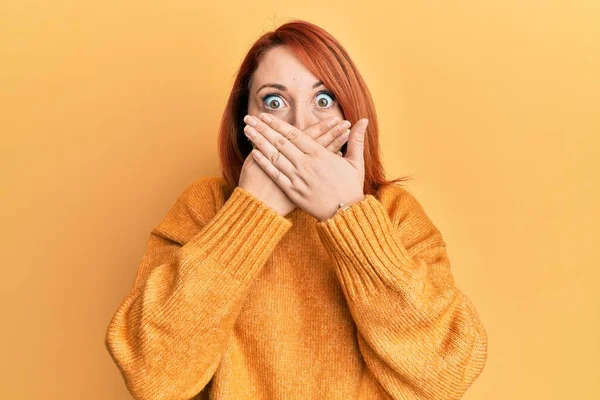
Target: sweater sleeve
(420,337)
(168,335)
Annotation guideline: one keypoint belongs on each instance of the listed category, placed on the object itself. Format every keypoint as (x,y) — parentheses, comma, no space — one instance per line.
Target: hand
(314,179)
(329,133)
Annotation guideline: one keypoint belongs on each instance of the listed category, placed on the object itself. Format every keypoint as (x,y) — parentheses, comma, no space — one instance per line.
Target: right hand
(255,180)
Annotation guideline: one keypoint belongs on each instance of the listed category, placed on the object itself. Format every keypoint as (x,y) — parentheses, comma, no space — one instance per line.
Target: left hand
(315,179)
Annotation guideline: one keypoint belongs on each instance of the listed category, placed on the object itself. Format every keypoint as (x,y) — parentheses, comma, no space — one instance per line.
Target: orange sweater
(234,299)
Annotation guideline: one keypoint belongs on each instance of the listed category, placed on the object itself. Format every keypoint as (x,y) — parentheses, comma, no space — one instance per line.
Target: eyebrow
(283,88)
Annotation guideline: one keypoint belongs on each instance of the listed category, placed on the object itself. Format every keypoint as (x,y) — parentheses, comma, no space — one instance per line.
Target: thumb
(356,142)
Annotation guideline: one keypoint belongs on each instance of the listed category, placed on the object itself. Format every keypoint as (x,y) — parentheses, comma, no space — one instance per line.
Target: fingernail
(250,120)
(266,117)
(249,131)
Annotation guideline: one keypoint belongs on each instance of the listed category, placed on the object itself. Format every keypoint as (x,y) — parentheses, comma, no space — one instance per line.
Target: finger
(333,134)
(321,127)
(269,150)
(338,142)
(276,130)
(356,143)
(275,174)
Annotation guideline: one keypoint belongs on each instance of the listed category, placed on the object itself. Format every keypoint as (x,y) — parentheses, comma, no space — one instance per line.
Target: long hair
(325,57)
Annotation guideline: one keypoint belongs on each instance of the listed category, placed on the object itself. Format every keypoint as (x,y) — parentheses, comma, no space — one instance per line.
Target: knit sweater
(235,301)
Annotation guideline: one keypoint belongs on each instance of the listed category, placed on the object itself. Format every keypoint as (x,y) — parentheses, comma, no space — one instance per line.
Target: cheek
(332,112)
(337,112)
(254,106)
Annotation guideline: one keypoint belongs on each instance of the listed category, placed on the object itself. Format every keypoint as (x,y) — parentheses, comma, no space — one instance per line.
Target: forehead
(280,65)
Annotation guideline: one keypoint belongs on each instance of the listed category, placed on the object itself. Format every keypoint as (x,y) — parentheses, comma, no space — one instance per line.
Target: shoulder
(202,191)
(400,202)
(409,218)
(193,209)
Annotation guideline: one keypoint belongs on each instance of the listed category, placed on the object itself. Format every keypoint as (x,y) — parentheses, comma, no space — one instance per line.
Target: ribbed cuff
(241,236)
(367,252)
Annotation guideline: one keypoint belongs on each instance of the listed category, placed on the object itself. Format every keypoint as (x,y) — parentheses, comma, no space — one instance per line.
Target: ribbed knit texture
(234,299)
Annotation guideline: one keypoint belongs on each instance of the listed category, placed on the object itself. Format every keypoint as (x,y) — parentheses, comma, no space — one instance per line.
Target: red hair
(325,58)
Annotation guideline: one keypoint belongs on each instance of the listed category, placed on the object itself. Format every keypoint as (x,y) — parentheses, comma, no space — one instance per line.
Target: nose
(302,118)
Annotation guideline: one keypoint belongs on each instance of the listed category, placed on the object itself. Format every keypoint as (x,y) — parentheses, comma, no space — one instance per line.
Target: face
(282,86)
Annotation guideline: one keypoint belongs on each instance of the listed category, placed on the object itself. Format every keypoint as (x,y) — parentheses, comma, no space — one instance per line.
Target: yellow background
(109,109)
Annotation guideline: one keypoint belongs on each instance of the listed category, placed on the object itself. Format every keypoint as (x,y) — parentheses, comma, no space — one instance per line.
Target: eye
(324,102)
(274,103)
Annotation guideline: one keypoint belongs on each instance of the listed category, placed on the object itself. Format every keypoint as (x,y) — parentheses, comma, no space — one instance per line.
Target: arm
(168,336)
(420,337)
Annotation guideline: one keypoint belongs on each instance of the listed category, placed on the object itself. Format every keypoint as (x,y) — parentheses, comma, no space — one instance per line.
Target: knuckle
(275,158)
(276,174)
(294,134)
(280,142)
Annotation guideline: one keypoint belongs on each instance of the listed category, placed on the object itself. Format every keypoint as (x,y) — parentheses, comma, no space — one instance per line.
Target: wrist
(344,206)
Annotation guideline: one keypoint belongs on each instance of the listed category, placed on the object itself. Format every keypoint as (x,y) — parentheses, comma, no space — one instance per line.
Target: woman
(302,273)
